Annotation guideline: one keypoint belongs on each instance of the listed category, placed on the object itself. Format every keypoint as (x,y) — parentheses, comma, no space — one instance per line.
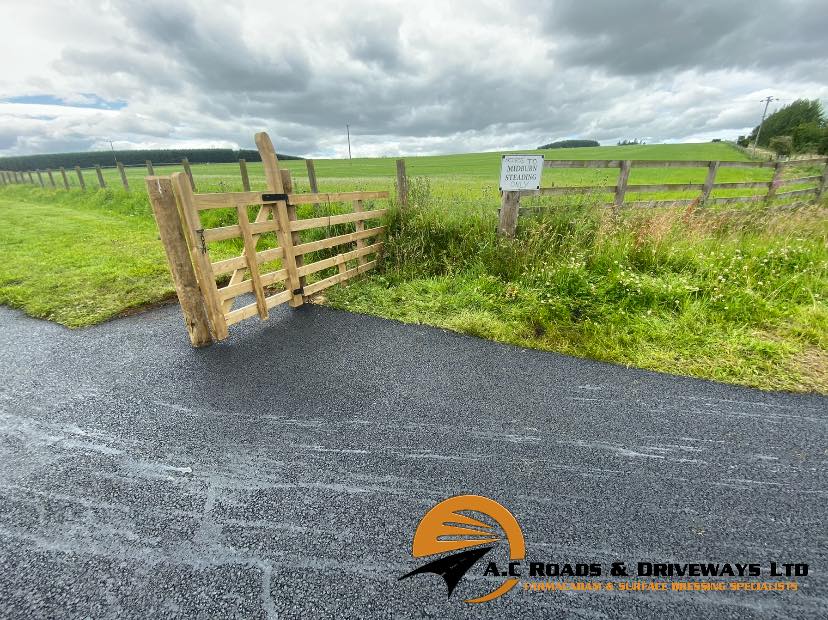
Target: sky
(408,77)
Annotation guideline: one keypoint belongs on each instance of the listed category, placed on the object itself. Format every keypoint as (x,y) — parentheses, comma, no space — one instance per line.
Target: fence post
(823,182)
(40,178)
(65,178)
(123,175)
(509,213)
(150,169)
(186,163)
(100,176)
(621,186)
(51,178)
(402,183)
(2,177)
(712,169)
(178,257)
(31,179)
(245,179)
(314,188)
(774,184)
(80,178)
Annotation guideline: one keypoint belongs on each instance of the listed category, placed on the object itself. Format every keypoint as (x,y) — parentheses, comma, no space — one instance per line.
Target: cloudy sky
(410,77)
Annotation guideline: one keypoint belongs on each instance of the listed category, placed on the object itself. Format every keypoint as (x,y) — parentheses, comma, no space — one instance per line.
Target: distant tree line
(800,127)
(569,144)
(630,142)
(128,158)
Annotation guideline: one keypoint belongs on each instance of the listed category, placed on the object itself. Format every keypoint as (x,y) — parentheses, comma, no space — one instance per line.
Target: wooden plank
(571,189)
(330,242)
(339,259)
(234,230)
(658,203)
(244,177)
(402,183)
(818,161)
(746,164)
(743,185)
(665,187)
(332,220)
(710,180)
(248,311)
(80,178)
(51,178)
(186,163)
(647,163)
(621,186)
(797,192)
(201,264)
(232,291)
(581,163)
(321,285)
(275,185)
(730,199)
(509,213)
(150,169)
(811,179)
(101,181)
(238,263)
(184,278)
(65,178)
(287,183)
(252,263)
(233,199)
(124,181)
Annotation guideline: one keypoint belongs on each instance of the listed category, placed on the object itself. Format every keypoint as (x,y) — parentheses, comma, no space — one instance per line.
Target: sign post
(518,173)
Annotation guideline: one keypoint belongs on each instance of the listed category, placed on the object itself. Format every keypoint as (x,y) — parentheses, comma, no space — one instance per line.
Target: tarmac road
(283,473)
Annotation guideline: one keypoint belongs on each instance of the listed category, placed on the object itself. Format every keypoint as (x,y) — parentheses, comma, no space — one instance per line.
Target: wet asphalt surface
(281,474)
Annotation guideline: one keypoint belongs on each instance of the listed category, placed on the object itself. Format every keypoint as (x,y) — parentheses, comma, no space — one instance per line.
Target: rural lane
(283,472)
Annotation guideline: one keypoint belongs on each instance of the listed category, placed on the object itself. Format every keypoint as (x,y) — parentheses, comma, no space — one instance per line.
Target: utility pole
(348,130)
(115,157)
(767,101)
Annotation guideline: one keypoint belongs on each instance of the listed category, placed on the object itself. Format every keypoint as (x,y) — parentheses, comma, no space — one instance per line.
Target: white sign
(519,172)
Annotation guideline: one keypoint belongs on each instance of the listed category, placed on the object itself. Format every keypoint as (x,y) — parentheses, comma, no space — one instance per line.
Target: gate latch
(274,197)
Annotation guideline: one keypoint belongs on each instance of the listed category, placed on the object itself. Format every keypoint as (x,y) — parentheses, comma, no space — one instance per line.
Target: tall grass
(738,295)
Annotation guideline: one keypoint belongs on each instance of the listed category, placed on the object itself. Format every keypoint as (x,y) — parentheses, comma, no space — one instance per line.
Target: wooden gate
(209,290)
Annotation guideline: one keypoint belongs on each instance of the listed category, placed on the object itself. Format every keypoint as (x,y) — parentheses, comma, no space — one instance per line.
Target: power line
(767,101)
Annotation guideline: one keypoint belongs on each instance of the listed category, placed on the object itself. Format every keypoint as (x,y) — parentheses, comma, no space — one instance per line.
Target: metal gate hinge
(200,232)
(299,291)
(274,197)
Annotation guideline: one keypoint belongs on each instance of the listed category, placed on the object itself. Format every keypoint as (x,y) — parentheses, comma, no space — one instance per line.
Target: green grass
(735,295)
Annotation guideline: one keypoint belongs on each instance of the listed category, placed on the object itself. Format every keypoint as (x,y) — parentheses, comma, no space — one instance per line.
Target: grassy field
(733,295)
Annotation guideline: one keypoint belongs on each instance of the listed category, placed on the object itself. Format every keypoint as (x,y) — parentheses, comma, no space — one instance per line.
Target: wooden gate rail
(510,200)
(277,215)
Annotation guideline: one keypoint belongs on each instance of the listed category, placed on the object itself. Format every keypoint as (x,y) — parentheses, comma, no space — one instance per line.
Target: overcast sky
(410,77)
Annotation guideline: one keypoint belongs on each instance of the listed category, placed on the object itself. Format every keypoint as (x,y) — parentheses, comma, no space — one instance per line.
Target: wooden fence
(208,297)
(46,178)
(510,208)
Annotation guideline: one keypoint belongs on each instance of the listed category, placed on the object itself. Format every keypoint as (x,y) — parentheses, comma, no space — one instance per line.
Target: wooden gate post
(186,163)
(80,178)
(100,176)
(280,213)
(123,175)
(178,258)
(65,179)
(314,188)
(621,186)
(245,179)
(402,183)
(509,213)
(712,169)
